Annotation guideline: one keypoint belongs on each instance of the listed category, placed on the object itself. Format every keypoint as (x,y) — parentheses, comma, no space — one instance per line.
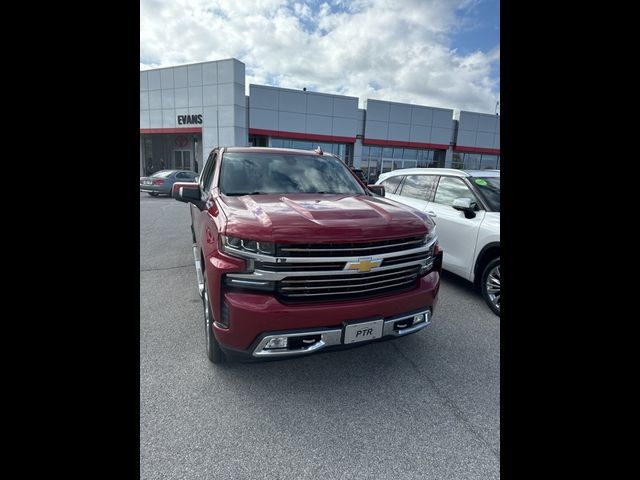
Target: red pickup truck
(294,254)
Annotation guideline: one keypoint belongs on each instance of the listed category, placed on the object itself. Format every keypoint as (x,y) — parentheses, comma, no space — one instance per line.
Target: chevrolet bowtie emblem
(364,264)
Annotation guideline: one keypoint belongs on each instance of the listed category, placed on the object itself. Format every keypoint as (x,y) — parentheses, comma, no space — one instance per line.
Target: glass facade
(342,150)
(475,161)
(377,160)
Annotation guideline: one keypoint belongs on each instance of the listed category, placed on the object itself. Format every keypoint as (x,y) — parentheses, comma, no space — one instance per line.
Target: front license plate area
(363,331)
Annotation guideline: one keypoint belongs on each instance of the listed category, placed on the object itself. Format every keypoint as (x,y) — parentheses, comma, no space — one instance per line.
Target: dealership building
(188,110)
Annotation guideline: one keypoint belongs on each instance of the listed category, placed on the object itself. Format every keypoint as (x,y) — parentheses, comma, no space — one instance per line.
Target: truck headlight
(238,245)
(431,236)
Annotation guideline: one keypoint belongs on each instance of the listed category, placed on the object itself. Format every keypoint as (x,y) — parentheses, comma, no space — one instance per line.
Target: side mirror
(465,205)
(187,192)
(377,189)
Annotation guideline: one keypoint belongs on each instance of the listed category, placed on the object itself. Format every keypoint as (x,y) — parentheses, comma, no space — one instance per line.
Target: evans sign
(189,119)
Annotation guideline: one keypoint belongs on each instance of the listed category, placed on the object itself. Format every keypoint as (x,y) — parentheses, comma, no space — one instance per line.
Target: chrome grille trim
(350,292)
(370,248)
(334,279)
(277,276)
(412,276)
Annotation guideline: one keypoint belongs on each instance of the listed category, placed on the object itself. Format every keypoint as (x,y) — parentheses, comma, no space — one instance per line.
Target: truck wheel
(214,352)
(490,285)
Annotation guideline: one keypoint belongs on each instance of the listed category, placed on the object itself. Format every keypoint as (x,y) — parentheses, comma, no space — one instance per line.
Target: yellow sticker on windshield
(481,181)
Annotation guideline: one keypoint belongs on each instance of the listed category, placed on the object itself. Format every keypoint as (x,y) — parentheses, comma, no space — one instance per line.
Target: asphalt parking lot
(423,406)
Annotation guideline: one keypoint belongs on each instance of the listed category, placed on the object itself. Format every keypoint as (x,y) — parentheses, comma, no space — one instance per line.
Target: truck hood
(305,218)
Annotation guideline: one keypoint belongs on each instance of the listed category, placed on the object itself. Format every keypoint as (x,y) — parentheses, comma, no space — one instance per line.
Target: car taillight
(158,181)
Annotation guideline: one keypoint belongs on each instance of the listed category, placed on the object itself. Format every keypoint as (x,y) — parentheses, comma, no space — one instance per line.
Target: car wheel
(214,352)
(490,285)
(153,194)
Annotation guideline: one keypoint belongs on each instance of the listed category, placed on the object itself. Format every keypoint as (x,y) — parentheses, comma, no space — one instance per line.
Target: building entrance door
(182,159)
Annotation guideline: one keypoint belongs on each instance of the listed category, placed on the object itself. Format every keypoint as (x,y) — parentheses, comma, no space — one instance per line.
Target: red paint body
(298,218)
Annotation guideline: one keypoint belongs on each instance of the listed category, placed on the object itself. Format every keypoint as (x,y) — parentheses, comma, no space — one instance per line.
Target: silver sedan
(162,181)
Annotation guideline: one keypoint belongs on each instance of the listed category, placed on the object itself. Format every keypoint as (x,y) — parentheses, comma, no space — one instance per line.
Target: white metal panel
(498,124)
(227,136)
(442,118)
(155,118)
(344,127)
(239,73)
(468,121)
(181,97)
(319,124)
(487,123)
(180,77)
(441,135)
(195,75)
(239,116)
(291,122)
(166,78)
(144,100)
(399,131)
(155,99)
(144,118)
(263,97)
(239,97)
(154,80)
(420,133)
(225,116)
(318,104)
(167,99)
(399,114)
(210,116)
(484,140)
(374,129)
(168,118)
(241,136)
(209,139)
(226,94)
(225,71)
(210,95)
(195,96)
(496,140)
(378,111)
(144,81)
(466,138)
(346,107)
(210,73)
(421,115)
(292,102)
(263,118)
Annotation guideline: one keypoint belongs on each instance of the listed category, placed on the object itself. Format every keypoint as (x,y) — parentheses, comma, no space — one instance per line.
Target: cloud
(396,50)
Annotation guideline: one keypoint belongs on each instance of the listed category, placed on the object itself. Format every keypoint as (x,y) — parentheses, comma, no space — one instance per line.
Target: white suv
(466,208)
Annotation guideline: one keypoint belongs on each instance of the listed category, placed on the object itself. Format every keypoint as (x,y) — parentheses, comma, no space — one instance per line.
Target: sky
(442,53)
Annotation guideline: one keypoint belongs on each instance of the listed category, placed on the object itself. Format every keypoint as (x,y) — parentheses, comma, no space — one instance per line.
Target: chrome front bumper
(392,327)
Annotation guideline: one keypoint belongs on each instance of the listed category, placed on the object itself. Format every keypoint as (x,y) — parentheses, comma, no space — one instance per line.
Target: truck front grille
(334,287)
(348,249)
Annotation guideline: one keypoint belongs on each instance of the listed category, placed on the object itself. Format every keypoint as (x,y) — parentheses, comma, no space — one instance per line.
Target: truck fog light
(276,342)
(418,318)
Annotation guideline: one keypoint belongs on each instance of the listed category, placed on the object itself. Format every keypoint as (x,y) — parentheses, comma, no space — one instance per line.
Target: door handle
(432,213)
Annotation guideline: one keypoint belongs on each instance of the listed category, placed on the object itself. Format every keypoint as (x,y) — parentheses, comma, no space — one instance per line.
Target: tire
(214,352)
(490,285)
(153,194)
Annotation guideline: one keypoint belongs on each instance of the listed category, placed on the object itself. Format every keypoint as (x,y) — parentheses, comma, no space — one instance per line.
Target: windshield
(162,173)
(490,189)
(255,173)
